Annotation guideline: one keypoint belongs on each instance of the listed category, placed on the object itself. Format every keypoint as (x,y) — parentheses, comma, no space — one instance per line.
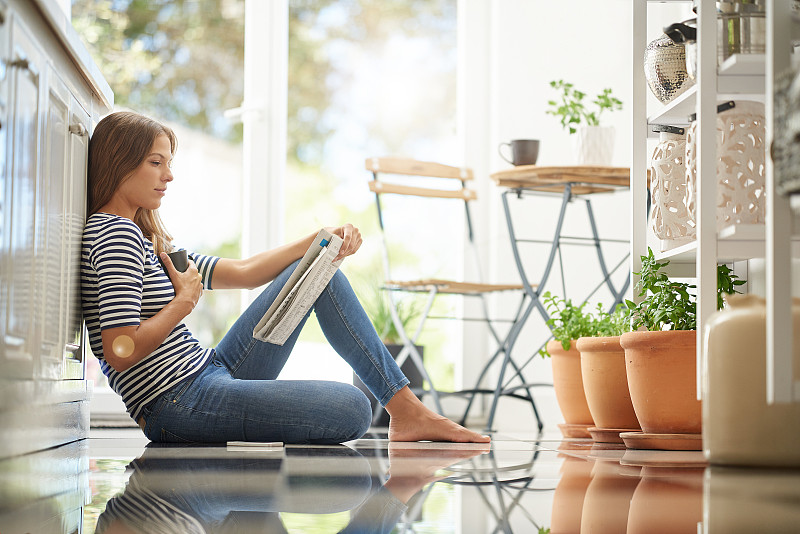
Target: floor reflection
(203,489)
(526,485)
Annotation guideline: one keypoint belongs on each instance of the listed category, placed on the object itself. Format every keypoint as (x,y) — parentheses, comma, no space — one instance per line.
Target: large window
(367,78)
(181,63)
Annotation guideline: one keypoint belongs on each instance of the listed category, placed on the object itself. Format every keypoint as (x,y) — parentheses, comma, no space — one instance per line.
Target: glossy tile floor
(115,482)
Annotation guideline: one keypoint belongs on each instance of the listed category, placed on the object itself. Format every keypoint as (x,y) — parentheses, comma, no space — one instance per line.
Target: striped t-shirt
(123,284)
(145,510)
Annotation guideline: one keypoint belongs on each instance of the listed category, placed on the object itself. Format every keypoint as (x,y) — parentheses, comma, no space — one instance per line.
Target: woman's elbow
(122,354)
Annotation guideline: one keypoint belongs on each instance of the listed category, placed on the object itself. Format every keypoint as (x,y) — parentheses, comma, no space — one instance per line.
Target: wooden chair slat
(412,167)
(389,188)
(449,286)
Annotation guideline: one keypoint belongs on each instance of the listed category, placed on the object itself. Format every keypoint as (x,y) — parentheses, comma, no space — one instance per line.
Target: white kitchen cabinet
(74,342)
(24,78)
(51,95)
(739,77)
(63,209)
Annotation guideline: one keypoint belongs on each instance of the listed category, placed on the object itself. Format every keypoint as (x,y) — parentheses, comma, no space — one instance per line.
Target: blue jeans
(237,397)
(247,493)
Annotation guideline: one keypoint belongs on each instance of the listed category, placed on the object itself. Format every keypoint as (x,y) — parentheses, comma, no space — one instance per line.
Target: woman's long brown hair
(119,144)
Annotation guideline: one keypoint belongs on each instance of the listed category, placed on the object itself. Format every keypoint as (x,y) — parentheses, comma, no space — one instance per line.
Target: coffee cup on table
(180,259)
(523,151)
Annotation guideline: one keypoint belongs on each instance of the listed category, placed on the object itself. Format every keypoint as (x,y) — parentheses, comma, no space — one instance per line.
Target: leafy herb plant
(726,284)
(671,304)
(612,324)
(376,304)
(567,320)
(571,109)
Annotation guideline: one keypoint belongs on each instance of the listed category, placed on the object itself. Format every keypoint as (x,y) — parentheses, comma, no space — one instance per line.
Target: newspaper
(301,290)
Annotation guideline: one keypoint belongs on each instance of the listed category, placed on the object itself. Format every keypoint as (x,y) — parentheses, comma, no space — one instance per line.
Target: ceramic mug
(523,151)
(180,260)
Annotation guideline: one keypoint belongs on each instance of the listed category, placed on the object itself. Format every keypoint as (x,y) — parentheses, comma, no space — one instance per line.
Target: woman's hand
(351,238)
(187,284)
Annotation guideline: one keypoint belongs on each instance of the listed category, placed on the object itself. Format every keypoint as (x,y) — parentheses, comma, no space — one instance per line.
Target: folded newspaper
(301,290)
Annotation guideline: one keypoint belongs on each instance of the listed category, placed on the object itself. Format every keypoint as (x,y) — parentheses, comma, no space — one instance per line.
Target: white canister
(739,427)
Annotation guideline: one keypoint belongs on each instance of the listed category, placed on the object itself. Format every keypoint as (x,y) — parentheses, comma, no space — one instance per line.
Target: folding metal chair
(430,181)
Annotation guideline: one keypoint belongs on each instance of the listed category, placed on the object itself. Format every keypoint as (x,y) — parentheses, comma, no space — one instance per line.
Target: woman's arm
(125,346)
(262,268)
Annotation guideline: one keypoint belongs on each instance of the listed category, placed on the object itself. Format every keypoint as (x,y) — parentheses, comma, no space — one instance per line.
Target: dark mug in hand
(523,151)
(180,259)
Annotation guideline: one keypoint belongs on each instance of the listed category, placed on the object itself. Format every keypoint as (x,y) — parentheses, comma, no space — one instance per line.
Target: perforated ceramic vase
(669,218)
(741,158)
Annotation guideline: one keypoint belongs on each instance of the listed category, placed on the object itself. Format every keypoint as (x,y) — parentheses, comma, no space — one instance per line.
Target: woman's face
(148,184)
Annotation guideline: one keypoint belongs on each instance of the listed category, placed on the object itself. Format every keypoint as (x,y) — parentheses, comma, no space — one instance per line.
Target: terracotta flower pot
(608,498)
(605,382)
(667,500)
(662,379)
(568,384)
(576,473)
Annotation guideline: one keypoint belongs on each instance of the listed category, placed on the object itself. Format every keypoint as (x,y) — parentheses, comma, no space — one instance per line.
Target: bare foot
(411,461)
(410,469)
(413,421)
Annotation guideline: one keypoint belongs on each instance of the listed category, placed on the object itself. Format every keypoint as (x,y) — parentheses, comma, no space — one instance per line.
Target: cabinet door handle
(24,65)
(73,352)
(78,129)
(20,63)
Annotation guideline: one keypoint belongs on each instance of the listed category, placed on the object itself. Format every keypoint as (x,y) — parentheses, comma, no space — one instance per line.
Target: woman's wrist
(181,306)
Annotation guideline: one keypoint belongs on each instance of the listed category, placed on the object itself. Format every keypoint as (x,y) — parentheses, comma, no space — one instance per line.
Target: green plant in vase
(612,324)
(661,353)
(604,374)
(377,306)
(727,282)
(667,303)
(573,112)
(567,321)
(594,144)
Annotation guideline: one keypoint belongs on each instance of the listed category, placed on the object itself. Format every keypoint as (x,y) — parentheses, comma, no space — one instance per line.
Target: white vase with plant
(594,144)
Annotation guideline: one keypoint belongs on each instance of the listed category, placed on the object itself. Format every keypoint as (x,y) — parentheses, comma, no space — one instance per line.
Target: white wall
(530,43)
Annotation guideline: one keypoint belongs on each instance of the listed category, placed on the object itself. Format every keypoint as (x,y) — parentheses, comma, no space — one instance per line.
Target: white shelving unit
(736,243)
(740,77)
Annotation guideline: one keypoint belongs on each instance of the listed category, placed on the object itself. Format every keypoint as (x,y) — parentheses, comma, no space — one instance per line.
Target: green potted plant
(661,354)
(379,313)
(594,143)
(605,379)
(568,322)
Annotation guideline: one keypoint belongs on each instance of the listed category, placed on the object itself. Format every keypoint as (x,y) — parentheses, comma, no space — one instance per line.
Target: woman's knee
(356,413)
